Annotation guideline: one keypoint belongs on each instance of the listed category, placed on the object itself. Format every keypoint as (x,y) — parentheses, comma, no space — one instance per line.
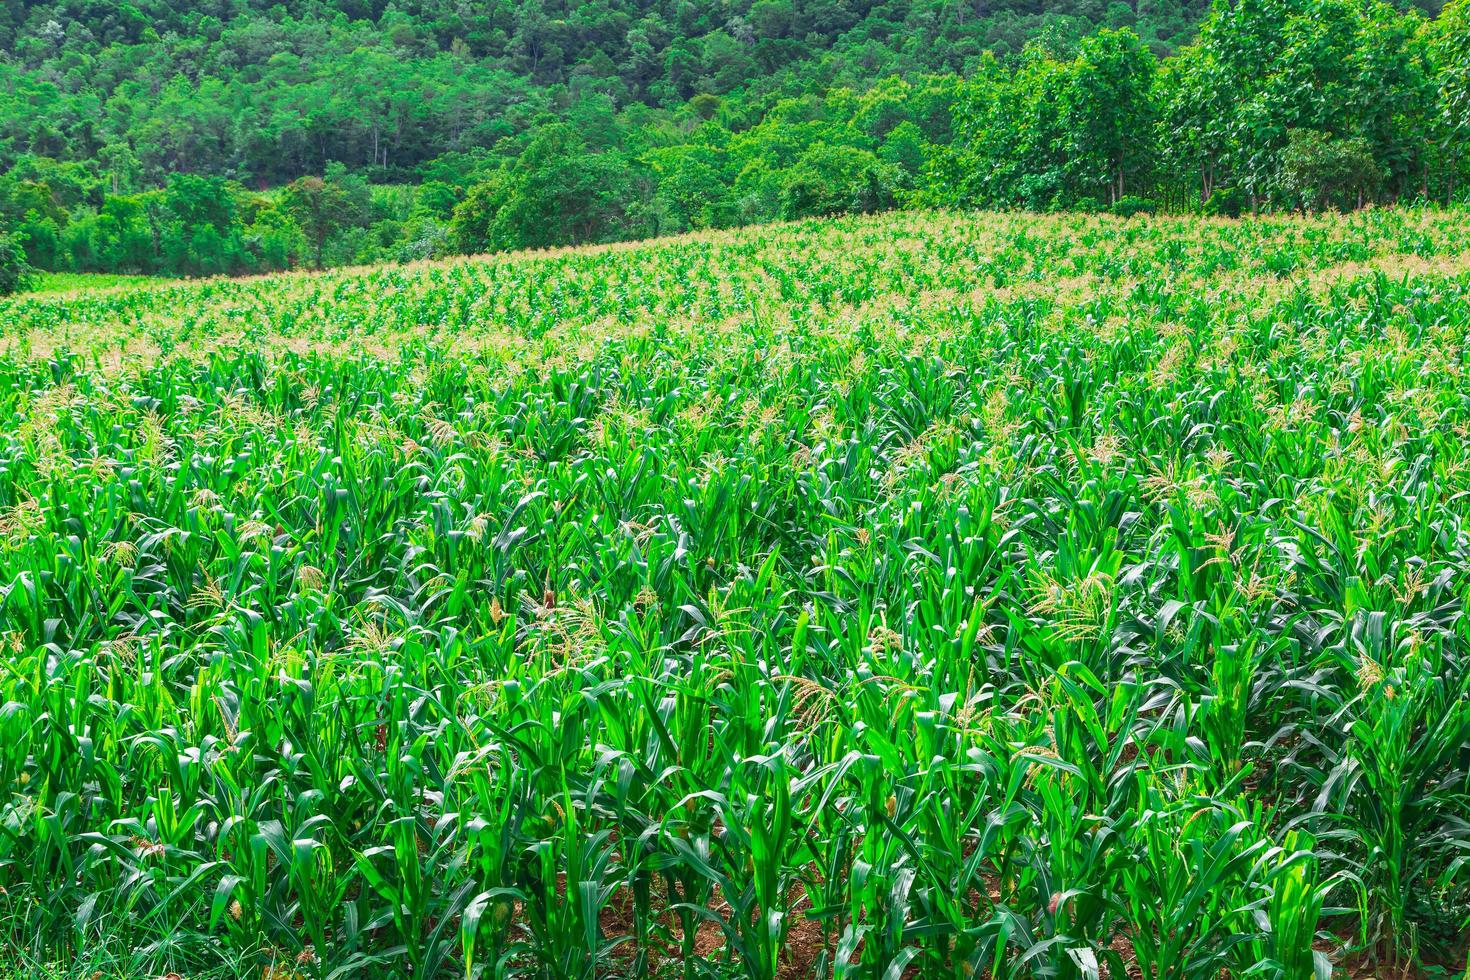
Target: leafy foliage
(926,594)
(1317,170)
(273,92)
(15,271)
(555,124)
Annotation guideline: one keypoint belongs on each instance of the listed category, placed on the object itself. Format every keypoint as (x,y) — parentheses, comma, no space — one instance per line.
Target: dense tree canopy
(1230,112)
(266,91)
(235,137)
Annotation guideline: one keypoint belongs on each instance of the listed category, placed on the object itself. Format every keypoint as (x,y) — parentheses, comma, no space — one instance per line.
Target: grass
(69,282)
(924,595)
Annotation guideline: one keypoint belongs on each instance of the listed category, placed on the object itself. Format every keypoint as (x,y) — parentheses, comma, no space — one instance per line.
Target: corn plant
(917,595)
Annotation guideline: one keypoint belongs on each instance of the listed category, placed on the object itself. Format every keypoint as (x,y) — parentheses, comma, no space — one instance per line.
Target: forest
(231,137)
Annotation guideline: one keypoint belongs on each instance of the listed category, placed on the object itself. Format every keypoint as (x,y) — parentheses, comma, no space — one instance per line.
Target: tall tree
(1452,59)
(1110,116)
(320,205)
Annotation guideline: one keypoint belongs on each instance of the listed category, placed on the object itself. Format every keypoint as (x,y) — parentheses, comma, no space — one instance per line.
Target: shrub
(1128,206)
(1318,171)
(15,271)
(1225,202)
(837,180)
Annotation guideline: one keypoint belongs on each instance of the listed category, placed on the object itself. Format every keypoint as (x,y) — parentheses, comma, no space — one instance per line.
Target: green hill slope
(272,91)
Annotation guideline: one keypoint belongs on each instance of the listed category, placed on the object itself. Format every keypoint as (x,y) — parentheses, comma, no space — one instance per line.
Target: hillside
(267,92)
(925,594)
(239,140)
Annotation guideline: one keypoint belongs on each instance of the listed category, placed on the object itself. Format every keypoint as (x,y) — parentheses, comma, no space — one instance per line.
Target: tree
(324,205)
(435,199)
(121,166)
(558,192)
(1452,58)
(581,122)
(693,188)
(1263,68)
(1193,143)
(1109,113)
(473,223)
(199,200)
(1317,169)
(1001,135)
(1393,60)
(318,208)
(705,105)
(837,180)
(15,271)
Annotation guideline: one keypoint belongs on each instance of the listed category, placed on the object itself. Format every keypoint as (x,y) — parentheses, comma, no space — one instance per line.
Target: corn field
(920,596)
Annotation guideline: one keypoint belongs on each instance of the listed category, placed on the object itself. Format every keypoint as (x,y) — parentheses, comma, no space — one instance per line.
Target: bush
(558,192)
(1225,202)
(1046,191)
(472,221)
(1318,171)
(1129,205)
(15,271)
(830,180)
(423,238)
